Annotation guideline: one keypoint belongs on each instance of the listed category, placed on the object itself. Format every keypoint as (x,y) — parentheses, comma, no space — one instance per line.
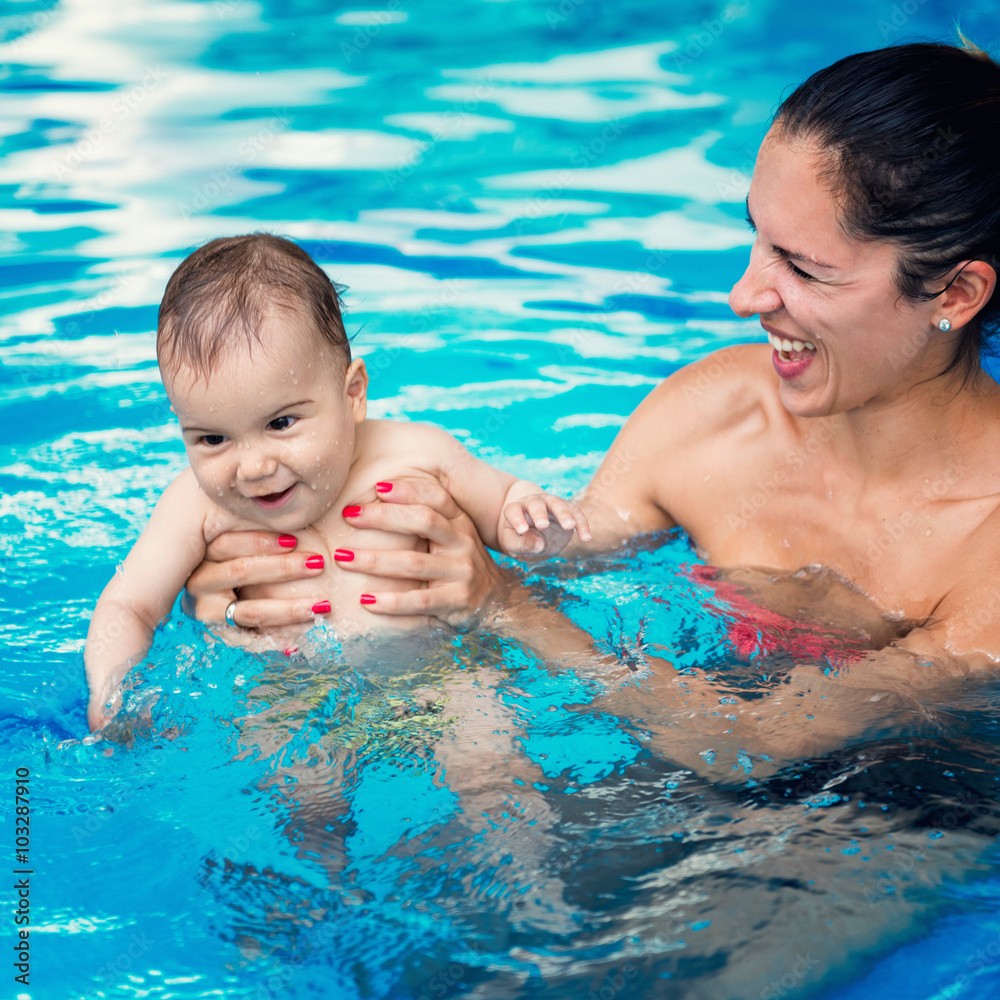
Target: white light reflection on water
(537,209)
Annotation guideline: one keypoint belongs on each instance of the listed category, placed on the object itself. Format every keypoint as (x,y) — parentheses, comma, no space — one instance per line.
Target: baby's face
(271,437)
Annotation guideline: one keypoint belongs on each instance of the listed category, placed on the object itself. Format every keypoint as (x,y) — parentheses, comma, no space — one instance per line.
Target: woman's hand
(240,558)
(464,584)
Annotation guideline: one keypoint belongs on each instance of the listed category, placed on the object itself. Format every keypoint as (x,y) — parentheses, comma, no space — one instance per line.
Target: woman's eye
(799,272)
(281,423)
(212,440)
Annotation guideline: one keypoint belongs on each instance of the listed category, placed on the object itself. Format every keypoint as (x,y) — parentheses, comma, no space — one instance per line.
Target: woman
(864,438)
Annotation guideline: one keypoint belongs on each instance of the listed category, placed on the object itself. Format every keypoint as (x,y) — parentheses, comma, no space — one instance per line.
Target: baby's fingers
(582,524)
(537,507)
(514,515)
(564,512)
(570,516)
(528,544)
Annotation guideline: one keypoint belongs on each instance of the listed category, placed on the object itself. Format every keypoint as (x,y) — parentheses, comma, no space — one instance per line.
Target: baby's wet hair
(220,296)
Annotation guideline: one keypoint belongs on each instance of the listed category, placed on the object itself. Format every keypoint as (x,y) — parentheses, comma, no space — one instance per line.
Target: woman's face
(856,342)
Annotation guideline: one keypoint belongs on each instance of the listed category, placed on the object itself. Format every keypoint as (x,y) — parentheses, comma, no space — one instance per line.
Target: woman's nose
(754,294)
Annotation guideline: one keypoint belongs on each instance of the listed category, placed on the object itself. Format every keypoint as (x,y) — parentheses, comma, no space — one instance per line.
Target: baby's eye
(211,440)
(281,423)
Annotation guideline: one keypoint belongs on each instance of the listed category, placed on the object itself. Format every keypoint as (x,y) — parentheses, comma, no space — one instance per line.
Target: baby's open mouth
(273,499)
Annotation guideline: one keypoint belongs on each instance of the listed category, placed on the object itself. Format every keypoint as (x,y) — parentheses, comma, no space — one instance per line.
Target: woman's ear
(356,389)
(967,294)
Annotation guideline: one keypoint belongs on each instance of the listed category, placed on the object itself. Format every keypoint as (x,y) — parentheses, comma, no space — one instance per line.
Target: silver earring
(944,325)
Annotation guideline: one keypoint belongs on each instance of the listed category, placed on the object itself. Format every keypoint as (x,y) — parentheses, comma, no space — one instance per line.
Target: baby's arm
(142,592)
(512,515)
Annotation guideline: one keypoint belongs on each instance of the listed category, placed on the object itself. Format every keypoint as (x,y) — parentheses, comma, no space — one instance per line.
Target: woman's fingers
(241,571)
(268,614)
(462,580)
(259,613)
(422,492)
(241,558)
(405,519)
(400,563)
(249,543)
(436,603)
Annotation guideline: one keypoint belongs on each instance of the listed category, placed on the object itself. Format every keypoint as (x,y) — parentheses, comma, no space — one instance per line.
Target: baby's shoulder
(184,499)
(184,492)
(412,448)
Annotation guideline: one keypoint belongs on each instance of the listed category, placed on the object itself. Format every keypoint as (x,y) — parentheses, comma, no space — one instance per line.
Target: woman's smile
(790,357)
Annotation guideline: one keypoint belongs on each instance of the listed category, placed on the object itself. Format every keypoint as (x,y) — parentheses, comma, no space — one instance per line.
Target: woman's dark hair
(223,292)
(913,132)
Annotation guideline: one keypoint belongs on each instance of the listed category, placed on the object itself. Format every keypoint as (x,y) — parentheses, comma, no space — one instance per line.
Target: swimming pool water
(536,206)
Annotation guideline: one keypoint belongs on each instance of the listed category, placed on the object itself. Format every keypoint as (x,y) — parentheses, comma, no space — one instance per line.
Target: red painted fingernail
(321,608)
(383,487)
(367,599)
(351,511)
(315,562)
(287,541)
(344,555)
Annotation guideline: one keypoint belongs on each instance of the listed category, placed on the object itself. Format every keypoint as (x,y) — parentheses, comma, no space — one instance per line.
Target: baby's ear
(356,389)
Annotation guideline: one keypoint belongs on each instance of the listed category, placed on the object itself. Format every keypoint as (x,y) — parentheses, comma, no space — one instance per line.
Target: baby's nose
(256,463)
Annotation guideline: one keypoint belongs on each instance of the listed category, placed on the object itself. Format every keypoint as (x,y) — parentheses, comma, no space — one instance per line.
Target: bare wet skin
(818,596)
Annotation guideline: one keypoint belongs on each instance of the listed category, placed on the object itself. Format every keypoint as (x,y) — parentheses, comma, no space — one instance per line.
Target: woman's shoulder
(730,390)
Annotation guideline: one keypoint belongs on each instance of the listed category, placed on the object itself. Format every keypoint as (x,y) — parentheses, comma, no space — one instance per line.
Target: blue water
(536,206)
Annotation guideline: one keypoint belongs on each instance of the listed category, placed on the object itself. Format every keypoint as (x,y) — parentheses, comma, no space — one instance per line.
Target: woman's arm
(653,476)
(806,713)
(689,718)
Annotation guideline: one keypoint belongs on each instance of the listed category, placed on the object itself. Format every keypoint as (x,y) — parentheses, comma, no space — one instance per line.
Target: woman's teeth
(785,346)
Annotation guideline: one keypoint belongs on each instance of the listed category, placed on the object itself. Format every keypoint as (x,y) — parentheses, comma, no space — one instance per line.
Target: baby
(258,369)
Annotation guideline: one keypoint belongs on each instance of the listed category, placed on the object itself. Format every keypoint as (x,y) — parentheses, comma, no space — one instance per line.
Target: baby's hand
(540,526)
